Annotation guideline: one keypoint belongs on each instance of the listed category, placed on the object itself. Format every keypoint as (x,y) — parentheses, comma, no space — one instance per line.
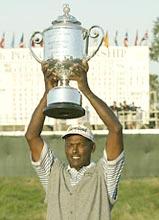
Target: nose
(74,150)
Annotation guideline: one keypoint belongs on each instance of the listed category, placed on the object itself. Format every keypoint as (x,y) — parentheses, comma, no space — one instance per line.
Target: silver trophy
(65,43)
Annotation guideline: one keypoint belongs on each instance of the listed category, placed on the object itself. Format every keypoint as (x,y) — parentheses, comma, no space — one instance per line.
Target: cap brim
(72,133)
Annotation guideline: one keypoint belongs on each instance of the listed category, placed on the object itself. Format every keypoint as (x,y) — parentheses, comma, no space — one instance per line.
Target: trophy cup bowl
(65,43)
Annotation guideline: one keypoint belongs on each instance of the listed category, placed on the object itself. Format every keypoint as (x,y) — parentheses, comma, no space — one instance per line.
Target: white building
(115,74)
(20,85)
(120,74)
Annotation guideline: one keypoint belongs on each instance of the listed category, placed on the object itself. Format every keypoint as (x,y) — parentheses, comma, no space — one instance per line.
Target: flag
(144,39)
(42,43)
(2,41)
(136,39)
(13,41)
(126,40)
(21,43)
(115,39)
(106,40)
(32,43)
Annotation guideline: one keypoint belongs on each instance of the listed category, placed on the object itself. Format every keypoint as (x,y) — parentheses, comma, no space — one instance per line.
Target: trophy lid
(66,17)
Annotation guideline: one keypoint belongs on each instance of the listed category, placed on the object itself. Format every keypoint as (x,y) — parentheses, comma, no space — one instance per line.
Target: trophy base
(64,110)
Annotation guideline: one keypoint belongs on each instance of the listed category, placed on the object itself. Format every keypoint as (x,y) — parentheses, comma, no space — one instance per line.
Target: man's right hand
(79,74)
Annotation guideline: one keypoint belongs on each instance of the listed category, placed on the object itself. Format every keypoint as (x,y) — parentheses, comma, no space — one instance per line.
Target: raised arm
(33,133)
(114,141)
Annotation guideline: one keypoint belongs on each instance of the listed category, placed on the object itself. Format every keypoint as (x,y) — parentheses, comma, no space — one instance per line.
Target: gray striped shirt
(112,171)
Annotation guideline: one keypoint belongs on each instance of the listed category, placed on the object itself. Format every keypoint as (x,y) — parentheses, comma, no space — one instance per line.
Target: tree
(154,90)
(154,49)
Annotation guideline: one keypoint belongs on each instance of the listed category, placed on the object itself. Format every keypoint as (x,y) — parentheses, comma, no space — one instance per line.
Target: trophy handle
(36,38)
(98,32)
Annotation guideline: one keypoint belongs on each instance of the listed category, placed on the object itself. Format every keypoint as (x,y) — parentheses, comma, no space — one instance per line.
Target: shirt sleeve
(112,173)
(43,165)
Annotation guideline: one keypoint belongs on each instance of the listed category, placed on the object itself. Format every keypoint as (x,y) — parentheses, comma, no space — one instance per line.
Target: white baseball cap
(81,130)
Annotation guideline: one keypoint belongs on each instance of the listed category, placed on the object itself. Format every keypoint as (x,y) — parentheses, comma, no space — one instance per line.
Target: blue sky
(125,16)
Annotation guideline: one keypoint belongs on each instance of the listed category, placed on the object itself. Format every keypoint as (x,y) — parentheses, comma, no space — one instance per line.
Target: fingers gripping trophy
(65,43)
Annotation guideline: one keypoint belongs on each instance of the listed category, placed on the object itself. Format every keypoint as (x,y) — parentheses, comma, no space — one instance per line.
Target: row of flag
(21,43)
(12,45)
(137,41)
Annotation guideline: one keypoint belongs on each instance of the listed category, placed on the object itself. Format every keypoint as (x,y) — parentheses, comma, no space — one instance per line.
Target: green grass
(138,200)
(23,199)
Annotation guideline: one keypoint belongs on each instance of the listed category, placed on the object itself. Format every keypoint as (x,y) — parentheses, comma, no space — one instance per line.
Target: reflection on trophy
(65,43)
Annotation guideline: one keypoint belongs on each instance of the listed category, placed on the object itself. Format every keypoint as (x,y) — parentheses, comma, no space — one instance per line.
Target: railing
(129,119)
(138,119)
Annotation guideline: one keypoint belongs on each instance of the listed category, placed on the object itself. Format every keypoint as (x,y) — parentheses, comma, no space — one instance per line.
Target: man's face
(78,150)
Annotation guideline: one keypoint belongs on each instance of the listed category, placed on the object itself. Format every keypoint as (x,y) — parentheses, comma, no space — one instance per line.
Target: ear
(93,148)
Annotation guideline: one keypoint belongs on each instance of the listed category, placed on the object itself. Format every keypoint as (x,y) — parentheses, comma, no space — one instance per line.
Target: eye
(70,145)
(67,145)
(82,146)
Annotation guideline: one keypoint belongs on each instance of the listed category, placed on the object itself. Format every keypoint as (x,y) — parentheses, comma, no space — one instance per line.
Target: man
(83,189)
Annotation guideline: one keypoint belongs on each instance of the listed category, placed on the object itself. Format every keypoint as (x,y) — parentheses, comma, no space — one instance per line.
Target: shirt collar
(69,169)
